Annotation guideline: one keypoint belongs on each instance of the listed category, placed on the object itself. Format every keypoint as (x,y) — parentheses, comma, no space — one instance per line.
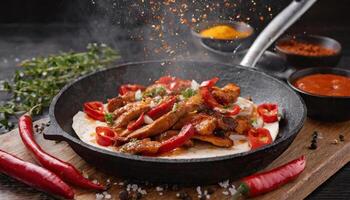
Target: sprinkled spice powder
(305,49)
(224,32)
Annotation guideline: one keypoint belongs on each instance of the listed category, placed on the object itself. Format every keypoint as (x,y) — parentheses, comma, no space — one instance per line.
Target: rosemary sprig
(41,78)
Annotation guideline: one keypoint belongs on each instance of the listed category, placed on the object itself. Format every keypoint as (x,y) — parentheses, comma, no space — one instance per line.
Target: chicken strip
(243,125)
(114,104)
(134,111)
(145,146)
(217,141)
(166,121)
(228,94)
(203,123)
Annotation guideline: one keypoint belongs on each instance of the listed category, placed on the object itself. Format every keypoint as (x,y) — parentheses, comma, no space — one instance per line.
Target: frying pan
(104,84)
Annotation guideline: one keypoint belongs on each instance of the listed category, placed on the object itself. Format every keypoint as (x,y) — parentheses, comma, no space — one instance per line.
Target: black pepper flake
(210,190)
(138,196)
(313,146)
(183,195)
(175,188)
(315,134)
(124,195)
(341,138)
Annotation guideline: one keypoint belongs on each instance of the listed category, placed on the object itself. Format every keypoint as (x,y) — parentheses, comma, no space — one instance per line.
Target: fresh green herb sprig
(41,78)
(188,92)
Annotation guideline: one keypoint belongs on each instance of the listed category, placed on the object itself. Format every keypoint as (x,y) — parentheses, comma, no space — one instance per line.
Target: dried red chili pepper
(34,176)
(64,170)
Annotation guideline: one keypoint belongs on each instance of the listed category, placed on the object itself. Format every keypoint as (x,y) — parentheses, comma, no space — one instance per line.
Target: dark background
(30,28)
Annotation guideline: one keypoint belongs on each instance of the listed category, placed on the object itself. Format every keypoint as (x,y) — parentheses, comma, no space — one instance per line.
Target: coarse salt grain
(199,192)
(225,193)
(224,184)
(158,188)
(94,181)
(161,193)
(108,196)
(99,196)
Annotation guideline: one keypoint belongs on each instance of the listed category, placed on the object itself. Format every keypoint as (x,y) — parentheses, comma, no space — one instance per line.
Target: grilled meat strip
(227,94)
(166,121)
(204,124)
(145,146)
(132,111)
(217,141)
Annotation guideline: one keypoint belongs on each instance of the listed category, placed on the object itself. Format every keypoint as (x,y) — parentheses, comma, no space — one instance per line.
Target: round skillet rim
(313,71)
(66,136)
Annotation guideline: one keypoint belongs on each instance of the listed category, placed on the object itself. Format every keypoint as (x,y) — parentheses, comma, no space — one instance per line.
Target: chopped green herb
(41,78)
(188,92)
(155,92)
(109,118)
(175,107)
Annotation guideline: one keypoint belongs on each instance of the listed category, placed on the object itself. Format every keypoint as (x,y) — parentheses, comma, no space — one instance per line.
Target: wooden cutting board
(322,163)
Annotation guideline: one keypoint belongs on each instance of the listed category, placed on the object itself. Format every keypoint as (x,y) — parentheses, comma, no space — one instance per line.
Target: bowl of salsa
(225,36)
(325,90)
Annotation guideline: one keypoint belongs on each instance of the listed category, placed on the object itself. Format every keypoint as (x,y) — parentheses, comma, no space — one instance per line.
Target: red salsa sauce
(324,84)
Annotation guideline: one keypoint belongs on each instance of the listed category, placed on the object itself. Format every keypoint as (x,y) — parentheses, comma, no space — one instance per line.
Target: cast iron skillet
(261,87)
(104,84)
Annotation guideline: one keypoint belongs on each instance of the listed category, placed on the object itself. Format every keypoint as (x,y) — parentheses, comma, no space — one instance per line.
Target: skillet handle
(274,29)
(54,133)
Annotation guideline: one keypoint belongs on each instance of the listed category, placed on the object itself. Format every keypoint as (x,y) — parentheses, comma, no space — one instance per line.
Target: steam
(151,29)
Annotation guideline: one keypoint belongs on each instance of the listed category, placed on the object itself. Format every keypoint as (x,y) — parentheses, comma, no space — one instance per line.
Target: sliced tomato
(162,108)
(130,87)
(210,83)
(208,98)
(259,137)
(269,112)
(95,110)
(105,136)
(138,123)
(185,134)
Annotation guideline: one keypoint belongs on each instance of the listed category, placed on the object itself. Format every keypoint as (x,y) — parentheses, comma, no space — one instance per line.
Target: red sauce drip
(324,84)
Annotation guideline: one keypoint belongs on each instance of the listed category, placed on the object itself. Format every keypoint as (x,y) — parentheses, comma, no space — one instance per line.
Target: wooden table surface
(321,164)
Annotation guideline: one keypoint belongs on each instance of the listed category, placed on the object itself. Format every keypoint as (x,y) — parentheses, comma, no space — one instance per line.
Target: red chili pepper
(185,134)
(264,182)
(173,83)
(64,170)
(104,136)
(210,83)
(208,98)
(95,110)
(138,123)
(165,80)
(162,108)
(130,87)
(34,176)
(230,111)
(268,112)
(259,137)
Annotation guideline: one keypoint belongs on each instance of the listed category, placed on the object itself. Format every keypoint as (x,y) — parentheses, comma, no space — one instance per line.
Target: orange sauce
(324,84)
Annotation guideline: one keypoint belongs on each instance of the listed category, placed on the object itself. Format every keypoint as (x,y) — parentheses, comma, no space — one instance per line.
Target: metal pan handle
(274,29)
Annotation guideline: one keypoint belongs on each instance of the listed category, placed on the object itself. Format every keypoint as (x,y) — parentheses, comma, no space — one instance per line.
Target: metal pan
(104,84)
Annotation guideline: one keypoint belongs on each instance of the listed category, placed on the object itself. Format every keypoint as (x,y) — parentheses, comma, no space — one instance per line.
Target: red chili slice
(173,83)
(269,112)
(208,98)
(234,111)
(130,87)
(138,123)
(104,136)
(259,137)
(165,80)
(185,134)
(95,110)
(210,83)
(162,108)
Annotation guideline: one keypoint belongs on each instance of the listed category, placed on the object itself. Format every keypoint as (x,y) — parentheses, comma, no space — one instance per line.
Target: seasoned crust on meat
(228,94)
(204,124)
(217,141)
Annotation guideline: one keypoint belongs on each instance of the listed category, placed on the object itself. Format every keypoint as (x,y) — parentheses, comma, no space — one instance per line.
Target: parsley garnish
(188,92)
(109,118)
